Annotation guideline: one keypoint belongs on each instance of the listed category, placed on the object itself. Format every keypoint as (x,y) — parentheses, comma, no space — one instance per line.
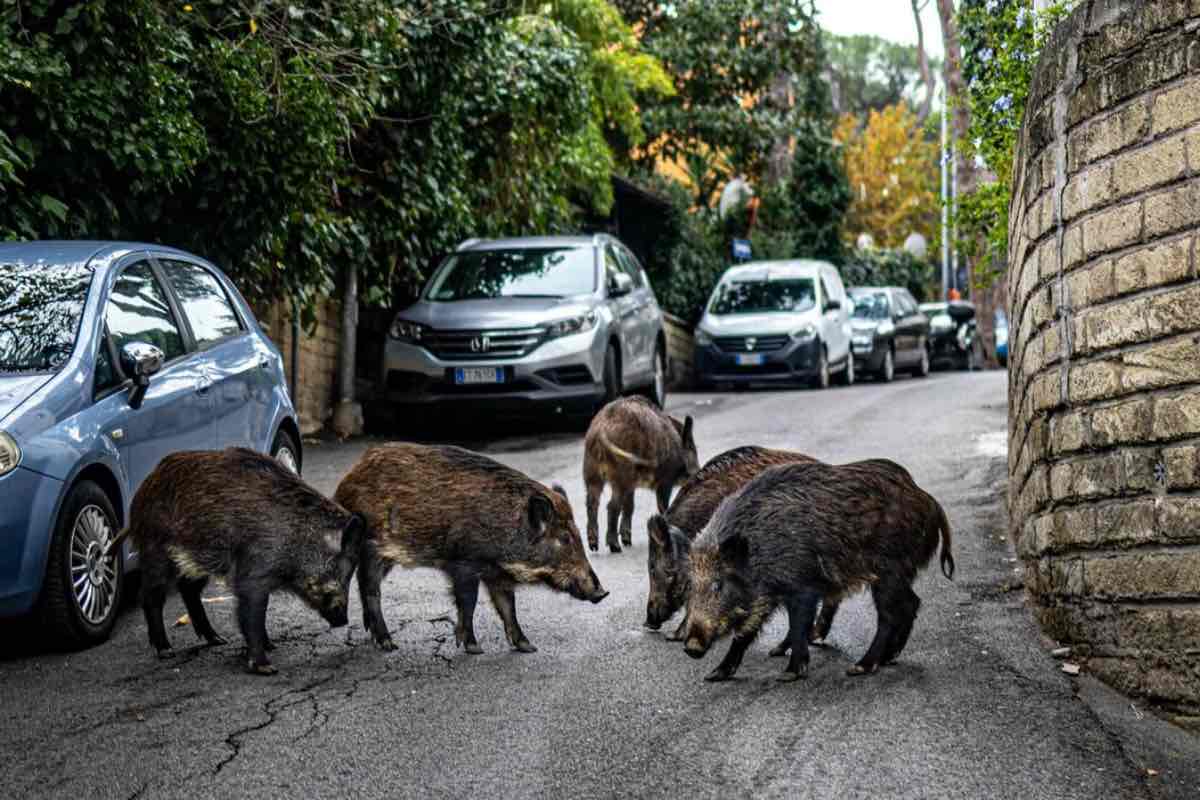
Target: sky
(890,19)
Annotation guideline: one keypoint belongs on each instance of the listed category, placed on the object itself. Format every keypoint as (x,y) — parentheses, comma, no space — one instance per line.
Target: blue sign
(741,250)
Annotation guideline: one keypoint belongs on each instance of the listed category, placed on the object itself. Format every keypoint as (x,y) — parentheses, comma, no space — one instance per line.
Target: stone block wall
(1104,365)
(680,351)
(316,378)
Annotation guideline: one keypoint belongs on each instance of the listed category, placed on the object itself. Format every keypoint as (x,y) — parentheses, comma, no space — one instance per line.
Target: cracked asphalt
(975,708)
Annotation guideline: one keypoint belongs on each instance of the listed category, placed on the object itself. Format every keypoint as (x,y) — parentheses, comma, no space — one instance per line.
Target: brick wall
(1104,366)
(316,379)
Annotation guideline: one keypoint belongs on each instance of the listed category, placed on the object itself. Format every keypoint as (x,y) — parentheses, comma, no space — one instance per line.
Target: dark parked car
(112,356)
(952,334)
(888,332)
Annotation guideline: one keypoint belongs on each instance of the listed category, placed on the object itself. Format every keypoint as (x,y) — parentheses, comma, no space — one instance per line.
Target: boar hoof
(473,648)
(859,669)
(386,644)
(627,539)
(779,650)
(788,676)
(594,546)
(718,675)
(524,646)
(215,640)
(165,653)
(261,669)
(614,548)
(816,642)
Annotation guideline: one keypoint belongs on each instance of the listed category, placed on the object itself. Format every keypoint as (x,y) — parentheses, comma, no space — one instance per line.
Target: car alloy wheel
(286,452)
(822,379)
(888,370)
(659,386)
(848,375)
(93,574)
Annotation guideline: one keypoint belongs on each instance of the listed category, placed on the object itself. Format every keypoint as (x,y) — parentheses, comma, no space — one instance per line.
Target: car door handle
(264,362)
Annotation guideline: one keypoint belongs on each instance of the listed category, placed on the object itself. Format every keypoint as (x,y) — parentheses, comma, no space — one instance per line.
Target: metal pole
(295,354)
(945,159)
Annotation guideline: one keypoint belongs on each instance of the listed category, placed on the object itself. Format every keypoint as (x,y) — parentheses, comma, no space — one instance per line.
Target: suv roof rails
(469,243)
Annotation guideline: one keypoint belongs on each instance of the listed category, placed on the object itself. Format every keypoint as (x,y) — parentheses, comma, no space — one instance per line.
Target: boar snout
(588,589)
(695,648)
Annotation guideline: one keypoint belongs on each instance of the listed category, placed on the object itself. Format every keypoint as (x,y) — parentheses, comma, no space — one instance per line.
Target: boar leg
(504,599)
(190,590)
(594,490)
(466,593)
(252,618)
(820,631)
(662,494)
(888,599)
(371,572)
(801,610)
(614,517)
(627,519)
(733,659)
(900,638)
(155,577)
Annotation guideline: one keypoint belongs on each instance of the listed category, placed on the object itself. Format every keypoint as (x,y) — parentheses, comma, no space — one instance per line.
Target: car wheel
(847,378)
(888,370)
(82,592)
(922,369)
(657,390)
(821,379)
(612,376)
(286,451)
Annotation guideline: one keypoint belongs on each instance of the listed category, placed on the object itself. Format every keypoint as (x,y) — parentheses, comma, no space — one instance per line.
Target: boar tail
(947,559)
(111,547)
(620,453)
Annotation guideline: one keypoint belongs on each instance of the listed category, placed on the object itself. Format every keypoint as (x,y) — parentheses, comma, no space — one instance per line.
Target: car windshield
(751,297)
(525,272)
(40,308)
(870,305)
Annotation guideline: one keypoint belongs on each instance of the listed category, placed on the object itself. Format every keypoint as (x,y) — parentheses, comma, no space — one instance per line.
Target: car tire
(887,370)
(656,392)
(81,612)
(821,379)
(847,376)
(286,450)
(612,377)
(922,369)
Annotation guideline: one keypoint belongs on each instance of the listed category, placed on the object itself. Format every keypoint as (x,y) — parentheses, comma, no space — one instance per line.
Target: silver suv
(569,322)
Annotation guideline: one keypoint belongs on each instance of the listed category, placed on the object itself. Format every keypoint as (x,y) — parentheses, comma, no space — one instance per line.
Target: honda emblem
(750,342)
(481,344)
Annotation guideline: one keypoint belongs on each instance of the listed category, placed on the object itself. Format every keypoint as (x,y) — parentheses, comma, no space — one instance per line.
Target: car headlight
(10,454)
(571,325)
(886,328)
(702,338)
(407,331)
(804,334)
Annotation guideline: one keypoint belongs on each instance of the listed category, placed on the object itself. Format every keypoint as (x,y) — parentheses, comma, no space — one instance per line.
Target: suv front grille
(751,344)
(483,345)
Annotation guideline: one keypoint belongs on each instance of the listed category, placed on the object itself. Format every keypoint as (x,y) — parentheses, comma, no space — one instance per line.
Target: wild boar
(491,523)
(632,444)
(801,532)
(721,477)
(690,511)
(239,515)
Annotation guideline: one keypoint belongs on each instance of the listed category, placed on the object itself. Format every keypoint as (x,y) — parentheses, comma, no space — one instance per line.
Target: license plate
(472,375)
(750,359)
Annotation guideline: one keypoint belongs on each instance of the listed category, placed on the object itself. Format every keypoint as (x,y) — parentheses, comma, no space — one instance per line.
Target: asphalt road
(975,708)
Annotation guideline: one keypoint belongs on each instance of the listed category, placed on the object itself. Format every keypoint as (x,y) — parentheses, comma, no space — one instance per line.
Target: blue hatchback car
(113,355)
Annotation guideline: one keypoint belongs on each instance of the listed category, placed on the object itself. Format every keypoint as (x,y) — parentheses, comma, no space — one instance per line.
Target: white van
(776,321)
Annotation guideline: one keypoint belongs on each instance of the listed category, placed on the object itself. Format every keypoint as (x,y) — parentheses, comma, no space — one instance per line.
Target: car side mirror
(139,361)
(620,285)
(833,304)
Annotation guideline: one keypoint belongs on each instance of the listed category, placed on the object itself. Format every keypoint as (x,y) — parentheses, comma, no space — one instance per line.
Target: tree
(724,57)
(868,73)
(892,171)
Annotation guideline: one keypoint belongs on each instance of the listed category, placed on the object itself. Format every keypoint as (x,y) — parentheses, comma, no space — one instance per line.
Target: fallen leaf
(1153,773)
(184,620)
(1061,652)
(1070,669)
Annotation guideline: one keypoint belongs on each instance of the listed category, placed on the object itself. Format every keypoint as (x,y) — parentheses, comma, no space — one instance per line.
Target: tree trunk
(923,61)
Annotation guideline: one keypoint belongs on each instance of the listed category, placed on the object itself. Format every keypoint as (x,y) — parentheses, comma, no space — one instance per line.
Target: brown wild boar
(632,444)
(690,511)
(801,532)
(239,515)
(491,523)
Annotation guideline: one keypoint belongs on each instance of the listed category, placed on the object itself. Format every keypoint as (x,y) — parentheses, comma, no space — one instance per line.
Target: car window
(138,312)
(631,267)
(106,376)
(203,301)
(825,295)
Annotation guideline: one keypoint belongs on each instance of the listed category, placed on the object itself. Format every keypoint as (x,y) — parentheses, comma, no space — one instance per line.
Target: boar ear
(558,488)
(541,511)
(681,545)
(687,430)
(735,549)
(660,532)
